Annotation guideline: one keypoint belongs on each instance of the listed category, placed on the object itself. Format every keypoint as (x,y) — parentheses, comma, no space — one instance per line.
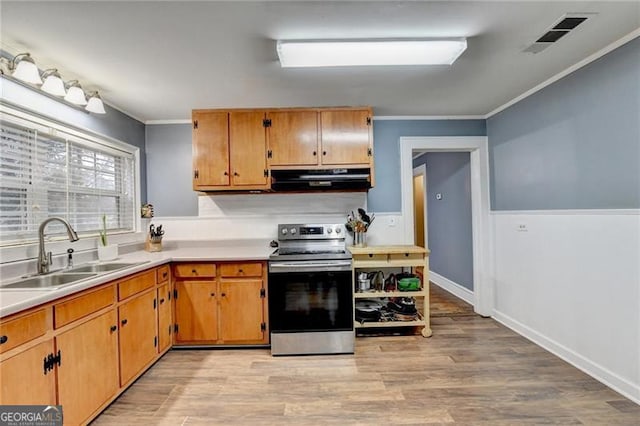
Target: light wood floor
(472,371)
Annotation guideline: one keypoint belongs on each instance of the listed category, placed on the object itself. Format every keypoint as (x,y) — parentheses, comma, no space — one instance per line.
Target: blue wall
(385,197)
(449,219)
(573,145)
(114,123)
(169,159)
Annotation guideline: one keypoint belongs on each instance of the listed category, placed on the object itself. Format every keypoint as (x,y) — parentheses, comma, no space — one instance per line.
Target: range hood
(321,180)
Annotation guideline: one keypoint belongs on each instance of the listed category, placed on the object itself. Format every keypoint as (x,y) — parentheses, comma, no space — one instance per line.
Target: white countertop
(16,300)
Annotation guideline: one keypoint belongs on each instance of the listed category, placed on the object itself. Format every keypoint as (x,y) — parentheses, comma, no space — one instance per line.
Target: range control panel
(311,231)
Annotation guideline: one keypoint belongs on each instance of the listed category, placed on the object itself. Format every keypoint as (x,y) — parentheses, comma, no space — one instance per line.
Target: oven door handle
(309,265)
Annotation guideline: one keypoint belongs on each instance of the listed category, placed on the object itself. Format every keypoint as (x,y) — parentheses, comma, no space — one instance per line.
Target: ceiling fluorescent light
(95,104)
(53,83)
(25,69)
(373,52)
(75,94)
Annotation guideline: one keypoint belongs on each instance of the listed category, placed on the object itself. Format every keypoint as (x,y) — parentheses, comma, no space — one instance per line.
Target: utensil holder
(153,244)
(359,239)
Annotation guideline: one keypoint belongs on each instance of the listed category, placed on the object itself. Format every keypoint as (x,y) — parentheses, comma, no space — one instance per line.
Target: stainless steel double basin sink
(58,279)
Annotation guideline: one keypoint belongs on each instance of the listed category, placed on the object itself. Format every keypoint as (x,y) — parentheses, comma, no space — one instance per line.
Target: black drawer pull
(161,301)
(113,328)
(240,271)
(3,339)
(213,294)
(193,271)
(123,322)
(223,294)
(164,275)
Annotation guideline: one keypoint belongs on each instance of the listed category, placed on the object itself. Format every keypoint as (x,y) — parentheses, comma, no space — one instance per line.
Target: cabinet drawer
(370,257)
(74,309)
(162,274)
(406,256)
(195,270)
(15,332)
(253,269)
(136,284)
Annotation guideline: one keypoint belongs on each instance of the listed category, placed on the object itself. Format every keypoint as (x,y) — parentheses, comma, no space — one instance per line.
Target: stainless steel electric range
(311,291)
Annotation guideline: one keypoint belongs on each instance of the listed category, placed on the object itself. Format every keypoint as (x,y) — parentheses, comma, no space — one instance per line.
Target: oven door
(310,296)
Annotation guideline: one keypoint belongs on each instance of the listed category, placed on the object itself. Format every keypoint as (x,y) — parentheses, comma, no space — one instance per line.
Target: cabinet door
(241,310)
(293,138)
(23,380)
(345,137)
(164,317)
(210,149)
(248,148)
(88,372)
(137,335)
(196,311)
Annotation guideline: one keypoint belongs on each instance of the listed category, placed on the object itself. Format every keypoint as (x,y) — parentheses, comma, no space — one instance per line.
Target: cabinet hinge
(170,329)
(169,295)
(51,360)
(154,303)
(195,124)
(175,328)
(155,342)
(175,293)
(266,173)
(369,152)
(269,154)
(263,326)
(266,122)
(263,293)
(196,174)
(368,121)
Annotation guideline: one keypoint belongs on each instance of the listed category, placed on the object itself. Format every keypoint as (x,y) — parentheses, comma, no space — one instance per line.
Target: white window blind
(47,172)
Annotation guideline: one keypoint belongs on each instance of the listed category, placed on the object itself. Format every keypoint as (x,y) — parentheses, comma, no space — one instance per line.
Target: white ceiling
(158,60)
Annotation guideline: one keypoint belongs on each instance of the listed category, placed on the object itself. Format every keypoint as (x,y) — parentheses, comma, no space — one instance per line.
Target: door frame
(422,170)
(477,146)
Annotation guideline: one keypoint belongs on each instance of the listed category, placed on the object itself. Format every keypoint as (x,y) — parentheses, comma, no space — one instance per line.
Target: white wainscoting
(571,283)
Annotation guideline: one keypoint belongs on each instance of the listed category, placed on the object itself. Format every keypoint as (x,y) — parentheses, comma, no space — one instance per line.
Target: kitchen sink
(101,267)
(47,282)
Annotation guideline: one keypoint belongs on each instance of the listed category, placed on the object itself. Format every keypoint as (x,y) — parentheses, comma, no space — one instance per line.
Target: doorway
(419,205)
(482,243)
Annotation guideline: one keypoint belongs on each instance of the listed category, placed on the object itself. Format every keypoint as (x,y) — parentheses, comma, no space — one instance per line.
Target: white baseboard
(603,375)
(452,287)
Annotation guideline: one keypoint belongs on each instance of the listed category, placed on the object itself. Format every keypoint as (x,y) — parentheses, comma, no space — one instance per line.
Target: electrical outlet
(522,227)
(438,196)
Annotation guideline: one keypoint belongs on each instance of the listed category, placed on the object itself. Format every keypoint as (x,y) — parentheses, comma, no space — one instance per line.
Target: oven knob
(329,230)
(337,230)
(293,231)
(284,231)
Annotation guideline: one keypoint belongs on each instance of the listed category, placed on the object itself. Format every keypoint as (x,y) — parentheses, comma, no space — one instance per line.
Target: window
(47,170)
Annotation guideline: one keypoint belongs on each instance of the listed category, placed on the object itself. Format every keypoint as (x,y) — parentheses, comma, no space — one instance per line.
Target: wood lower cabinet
(165,323)
(23,379)
(196,311)
(138,338)
(241,311)
(88,371)
(229,308)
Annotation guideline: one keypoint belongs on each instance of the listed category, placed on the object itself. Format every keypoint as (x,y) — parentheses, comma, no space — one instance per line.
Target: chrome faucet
(44,259)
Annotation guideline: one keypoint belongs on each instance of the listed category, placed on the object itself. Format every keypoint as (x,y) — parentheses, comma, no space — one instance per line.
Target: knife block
(153,245)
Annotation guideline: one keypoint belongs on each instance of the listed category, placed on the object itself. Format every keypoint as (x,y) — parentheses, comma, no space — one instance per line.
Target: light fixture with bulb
(22,69)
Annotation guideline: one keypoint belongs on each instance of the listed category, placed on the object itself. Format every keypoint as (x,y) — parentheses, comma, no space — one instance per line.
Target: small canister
(364,284)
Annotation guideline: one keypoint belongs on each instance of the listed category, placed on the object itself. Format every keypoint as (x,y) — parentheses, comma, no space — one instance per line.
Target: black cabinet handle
(324,152)
(236,174)
(113,328)
(223,294)
(164,275)
(3,339)
(315,153)
(213,294)
(161,301)
(226,173)
(193,271)
(406,255)
(240,271)
(123,322)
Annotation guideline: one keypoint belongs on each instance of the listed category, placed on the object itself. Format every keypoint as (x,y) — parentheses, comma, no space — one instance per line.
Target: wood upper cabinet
(23,380)
(292,138)
(196,311)
(346,137)
(210,139)
(229,150)
(138,338)
(88,371)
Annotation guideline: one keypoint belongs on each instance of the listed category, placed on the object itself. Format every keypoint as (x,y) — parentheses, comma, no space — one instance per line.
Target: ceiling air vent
(565,25)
